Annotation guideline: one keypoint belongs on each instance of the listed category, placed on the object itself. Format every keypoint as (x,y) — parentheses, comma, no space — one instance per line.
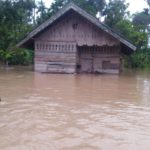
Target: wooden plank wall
(56,47)
(55,57)
(74,28)
(99,59)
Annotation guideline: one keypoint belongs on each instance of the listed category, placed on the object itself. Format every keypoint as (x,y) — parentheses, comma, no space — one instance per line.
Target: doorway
(85,60)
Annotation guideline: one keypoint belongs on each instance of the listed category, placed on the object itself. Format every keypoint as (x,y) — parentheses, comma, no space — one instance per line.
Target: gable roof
(90,18)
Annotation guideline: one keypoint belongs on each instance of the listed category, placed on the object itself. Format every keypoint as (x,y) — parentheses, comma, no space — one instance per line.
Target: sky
(135,5)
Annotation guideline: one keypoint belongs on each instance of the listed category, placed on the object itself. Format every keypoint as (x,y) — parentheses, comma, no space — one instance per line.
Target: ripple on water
(62,112)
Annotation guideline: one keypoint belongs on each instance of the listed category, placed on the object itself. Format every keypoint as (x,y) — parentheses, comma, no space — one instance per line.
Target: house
(73,41)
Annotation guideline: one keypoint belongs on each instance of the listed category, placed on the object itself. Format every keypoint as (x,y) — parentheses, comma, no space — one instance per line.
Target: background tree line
(19,17)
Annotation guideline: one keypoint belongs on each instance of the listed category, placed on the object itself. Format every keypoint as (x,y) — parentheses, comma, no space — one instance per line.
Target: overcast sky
(135,5)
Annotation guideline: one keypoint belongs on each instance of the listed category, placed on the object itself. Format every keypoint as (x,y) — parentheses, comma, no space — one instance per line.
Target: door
(86,65)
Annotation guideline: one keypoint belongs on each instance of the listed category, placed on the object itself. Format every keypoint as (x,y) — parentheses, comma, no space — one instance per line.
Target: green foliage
(15,21)
(16,56)
(5,56)
(136,34)
(140,59)
(42,11)
(91,6)
(142,18)
(115,11)
(56,6)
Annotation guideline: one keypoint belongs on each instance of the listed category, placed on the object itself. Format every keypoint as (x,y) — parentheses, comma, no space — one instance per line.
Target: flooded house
(73,41)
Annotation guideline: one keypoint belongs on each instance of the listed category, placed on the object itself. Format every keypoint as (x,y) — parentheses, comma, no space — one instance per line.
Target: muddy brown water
(74,112)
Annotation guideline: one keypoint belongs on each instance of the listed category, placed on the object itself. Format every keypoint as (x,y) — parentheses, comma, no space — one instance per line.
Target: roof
(90,18)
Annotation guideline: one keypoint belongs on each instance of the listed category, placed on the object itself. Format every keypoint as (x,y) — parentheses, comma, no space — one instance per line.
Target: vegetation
(19,17)
(17,56)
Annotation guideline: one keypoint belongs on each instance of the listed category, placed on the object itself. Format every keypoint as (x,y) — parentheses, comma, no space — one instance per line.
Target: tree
(142,18)
(136,34)
(91,6)
(42,12)
(16,19)
(115,11)
(56,5)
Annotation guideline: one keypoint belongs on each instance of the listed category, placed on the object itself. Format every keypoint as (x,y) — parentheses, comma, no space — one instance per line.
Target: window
(109,65)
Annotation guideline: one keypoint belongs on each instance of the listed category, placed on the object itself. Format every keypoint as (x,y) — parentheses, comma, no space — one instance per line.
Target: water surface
(74,112)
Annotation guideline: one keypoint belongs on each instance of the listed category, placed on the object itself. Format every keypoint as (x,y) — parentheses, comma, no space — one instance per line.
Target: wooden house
(73,41)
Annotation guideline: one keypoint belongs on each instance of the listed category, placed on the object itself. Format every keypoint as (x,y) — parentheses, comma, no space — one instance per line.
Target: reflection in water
(74,112)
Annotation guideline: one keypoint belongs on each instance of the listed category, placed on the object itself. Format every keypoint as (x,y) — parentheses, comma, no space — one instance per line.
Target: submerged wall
(55,57)
(56,48)
(99,59)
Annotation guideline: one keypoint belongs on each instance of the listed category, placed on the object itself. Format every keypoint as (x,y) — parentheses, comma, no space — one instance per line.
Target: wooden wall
(56,48)
(73,27)
(99,59)
(55,57)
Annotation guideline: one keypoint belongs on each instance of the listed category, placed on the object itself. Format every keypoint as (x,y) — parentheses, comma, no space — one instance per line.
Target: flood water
(74,112)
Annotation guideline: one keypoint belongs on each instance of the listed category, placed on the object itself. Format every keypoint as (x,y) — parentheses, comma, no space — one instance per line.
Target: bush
(139,59)
(6,56)
(16,56)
